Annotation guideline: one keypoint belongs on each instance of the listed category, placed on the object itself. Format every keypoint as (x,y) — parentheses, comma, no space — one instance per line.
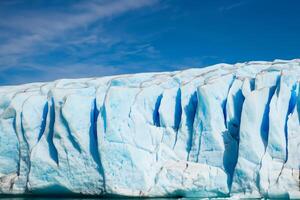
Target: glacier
(220,131)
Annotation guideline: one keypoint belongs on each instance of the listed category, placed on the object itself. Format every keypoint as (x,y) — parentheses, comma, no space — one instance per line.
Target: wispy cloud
(32,32)
(233,5)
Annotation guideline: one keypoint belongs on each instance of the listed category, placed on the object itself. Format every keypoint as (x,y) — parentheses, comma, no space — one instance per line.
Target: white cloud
(36,28)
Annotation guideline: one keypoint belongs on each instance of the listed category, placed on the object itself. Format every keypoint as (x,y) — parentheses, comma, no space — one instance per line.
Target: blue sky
(42,40)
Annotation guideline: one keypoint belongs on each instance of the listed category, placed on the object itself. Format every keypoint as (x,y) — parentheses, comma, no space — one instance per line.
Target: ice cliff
(220,131)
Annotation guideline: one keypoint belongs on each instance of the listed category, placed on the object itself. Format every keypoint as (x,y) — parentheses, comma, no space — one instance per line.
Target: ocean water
(83,198)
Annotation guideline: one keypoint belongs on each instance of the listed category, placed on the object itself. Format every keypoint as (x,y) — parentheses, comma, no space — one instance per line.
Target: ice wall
(220,131)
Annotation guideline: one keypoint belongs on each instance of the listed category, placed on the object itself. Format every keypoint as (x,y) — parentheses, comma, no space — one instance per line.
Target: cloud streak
(39,31)
(233,5)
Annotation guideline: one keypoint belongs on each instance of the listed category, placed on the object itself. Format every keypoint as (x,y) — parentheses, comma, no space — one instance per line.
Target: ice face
(220,131)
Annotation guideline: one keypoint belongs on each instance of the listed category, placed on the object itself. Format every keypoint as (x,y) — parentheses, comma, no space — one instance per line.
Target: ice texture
(220,131)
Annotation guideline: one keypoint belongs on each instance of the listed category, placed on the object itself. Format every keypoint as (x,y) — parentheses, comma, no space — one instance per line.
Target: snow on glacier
(220,131)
